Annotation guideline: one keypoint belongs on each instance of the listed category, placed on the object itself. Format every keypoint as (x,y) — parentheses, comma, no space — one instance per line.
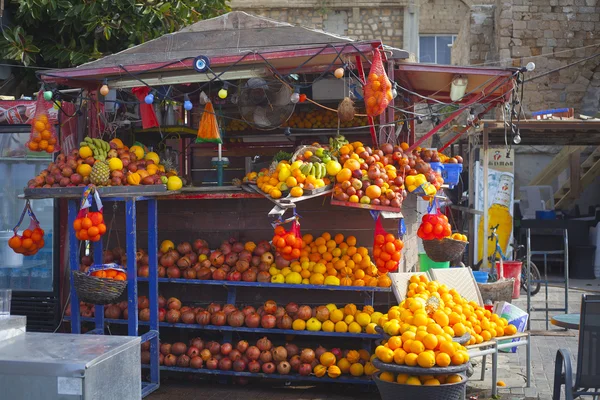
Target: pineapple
(100,175)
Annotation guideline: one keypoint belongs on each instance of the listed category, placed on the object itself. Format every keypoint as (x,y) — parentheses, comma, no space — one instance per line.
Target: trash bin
(426,263)
(581,262)
(512,269)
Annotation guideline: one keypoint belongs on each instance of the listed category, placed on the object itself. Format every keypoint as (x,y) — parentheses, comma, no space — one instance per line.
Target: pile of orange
(387,252)
(110,274)
(449,315)
(426,380)
(28,243)
(90,227)
(41,138)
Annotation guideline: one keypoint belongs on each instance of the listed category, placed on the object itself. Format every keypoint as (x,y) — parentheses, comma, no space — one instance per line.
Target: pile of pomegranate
(261,357)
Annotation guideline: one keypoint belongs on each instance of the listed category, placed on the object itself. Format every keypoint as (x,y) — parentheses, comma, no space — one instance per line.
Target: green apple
(164,179)
(365,200)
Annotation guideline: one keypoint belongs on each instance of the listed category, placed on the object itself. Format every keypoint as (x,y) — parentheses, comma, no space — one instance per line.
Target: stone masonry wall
(442,16)
(558,29)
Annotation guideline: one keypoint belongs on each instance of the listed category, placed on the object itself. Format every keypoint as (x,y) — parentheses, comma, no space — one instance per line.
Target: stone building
(551,33)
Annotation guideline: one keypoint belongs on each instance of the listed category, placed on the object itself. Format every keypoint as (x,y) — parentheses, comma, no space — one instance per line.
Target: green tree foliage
(66,33)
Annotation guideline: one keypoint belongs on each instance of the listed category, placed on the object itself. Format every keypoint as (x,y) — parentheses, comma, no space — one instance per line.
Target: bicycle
(532,283)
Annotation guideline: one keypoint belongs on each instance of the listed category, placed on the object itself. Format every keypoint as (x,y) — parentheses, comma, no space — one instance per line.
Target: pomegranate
(319,351)
(173,316)
(162,314)
(268,321)
(225,364)
(144,314)
(305,369)
(204,274)
(284,368)
(229,308)
(253,353)
(188,317)
(173,273)
(291,349)
(178,348)
(203,318)
(199,244)
(143,302)
(162,272)
(252,320)
(173,303)
(245,255)
(265,357)
(219,274)
(213,308)
(295,363)
(263,276)
(165,349)
(197,343)
(248,310)
(291,309)
(249,276)
(235,355)
(170,360)
(196,362)
(192,352)
(304,313)
(254,366)
(255,261)
(270,307)
(234,276)
(219,318)
(284,322)
(280,354)
(145,346)
(264,344)
(189,274)
(184,248)
(226,348)
(239,365)
(212,363)
(231,259)
(236,318)
(337,353)
(214,348)
(268,368)
(183,361)
(322,313)
(161,359)
(307,356)
(205,354)
(184,309)
(143,271)
(113,311)
(242,346)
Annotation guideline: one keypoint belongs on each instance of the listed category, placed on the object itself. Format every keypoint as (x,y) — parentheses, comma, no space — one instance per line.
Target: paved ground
(511,367)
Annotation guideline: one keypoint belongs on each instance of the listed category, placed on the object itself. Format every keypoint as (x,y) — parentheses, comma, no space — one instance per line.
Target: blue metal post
(98,309)
(153,286)
(131,242)
(74,264)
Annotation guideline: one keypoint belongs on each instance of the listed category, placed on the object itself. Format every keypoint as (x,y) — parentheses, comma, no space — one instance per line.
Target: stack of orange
(110,274)
(41,138)
(28,243)
(90,227)
(453,316)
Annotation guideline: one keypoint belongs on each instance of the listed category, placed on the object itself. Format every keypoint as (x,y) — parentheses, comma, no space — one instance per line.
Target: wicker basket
(445,249)
(397,391)
(97,290)
(497,291)
(303,149)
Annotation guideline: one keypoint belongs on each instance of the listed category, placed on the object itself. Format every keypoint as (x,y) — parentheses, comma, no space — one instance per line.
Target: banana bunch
(99,147)
(335,143)
(316,169)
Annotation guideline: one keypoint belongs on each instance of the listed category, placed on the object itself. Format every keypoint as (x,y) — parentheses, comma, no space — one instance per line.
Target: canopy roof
(233,38)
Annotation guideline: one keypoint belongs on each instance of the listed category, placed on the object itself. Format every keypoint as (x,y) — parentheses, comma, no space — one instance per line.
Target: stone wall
(442,16)
(559,29)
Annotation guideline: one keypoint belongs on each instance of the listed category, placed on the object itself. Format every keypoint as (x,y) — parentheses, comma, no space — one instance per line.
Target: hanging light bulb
(104,89)
(517,138)
(48,95)
(203,98)
(187,104)
(339,73)
(149,99)
(295,97)
(223,92)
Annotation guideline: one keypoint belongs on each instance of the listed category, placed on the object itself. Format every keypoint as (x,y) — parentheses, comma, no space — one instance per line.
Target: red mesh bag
(32,238)
(378,88)
(43,135)
(89,225)
(434,224)
(387,248)
(288,243)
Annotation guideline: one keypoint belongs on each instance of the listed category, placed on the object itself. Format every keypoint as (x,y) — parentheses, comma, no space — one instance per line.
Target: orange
(442,360)
(417,347)
(27,233)
(77,224)
(399,356)
(458,359)
(120,277)
(411,359)
(46,134)
(33,146)
(352,164)
(394,342)
(344,175)
(447,348)
(111,273)
(96,218)
(101,229)
(430,341)
(426,359)
(43,144)
(83,235)
(27,243)
(86,223)
(15,242)
(93,231)
(373,192)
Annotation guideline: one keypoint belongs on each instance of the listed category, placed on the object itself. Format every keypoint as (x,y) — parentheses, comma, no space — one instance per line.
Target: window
(435,49)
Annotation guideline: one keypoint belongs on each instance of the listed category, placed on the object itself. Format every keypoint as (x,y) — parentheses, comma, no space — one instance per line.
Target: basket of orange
(102,284)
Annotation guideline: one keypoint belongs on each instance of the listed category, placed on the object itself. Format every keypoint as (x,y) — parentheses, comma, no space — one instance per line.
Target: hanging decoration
(147,113)
(208,131)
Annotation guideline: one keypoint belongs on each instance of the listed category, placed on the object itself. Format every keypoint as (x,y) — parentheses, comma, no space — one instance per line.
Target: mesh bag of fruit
(32,238)
(89,225)
(208,130)
(387,248)
(43,135)
(288,243)
(434,224)
(110,271)
(378,88)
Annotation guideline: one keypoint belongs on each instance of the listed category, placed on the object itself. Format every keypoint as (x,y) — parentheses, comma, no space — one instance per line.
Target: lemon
(293,278)
(275,193)
(336,315)
(85,152)
(333,167)
(166,245)
(115,164)
(274,271)
(174,182)
(375,316)
(341,327)
(296,191)
(363,319)
(84,170)
(332,280)
(354,327)
(320,268)
(279,278)
(313,324)
(153,156)
(331,306)
(138,151)
(317,279)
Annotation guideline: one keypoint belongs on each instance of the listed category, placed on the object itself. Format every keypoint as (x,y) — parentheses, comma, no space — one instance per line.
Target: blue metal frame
(132,298)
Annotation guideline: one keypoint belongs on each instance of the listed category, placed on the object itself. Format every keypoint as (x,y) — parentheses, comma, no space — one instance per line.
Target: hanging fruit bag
(32,238)
(43,135)
(89,225)
(436,231)
(378,88)
(288,243)
(208,130)
(387,248)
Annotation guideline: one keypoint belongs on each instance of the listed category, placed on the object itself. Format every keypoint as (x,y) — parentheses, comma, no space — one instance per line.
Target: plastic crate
(437,166)
(451,173)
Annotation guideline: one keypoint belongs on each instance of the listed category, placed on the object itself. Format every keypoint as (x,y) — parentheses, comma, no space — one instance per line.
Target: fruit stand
(267,301)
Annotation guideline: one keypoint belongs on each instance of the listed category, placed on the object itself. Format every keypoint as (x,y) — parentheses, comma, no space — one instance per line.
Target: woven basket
(302,149)
(497,291)
(97,290)
(397,391)
(445,249)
